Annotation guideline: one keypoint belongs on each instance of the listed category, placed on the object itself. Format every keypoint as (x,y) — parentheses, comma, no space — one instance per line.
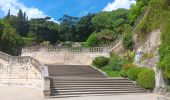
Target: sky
(57,8)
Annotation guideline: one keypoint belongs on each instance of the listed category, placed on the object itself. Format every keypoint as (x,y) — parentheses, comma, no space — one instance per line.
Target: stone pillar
(159,82)
(46,84)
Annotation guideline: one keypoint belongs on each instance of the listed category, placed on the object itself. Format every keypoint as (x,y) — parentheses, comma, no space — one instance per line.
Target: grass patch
(111,73)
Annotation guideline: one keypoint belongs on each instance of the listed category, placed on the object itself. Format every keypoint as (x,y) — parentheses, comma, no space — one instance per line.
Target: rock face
(151,45)
(152,42)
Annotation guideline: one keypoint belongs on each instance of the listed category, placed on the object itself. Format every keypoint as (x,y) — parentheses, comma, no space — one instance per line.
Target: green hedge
(146,79)
(133,73)
(100,61)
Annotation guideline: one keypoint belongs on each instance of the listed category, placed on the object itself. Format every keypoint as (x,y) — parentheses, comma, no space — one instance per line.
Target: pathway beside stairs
(80,80)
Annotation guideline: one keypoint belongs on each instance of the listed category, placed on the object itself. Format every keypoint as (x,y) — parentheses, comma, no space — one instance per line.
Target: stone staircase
(74,87)
(82,80)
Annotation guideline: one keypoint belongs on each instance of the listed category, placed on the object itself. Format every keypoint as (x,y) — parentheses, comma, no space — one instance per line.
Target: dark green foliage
(43,30)
(10,41)
(100,61)
(92,40)
(68,27)
(146,79)
(123,73)
(85,27)
(128,41)
(133,73)
(103,38)
(106,36)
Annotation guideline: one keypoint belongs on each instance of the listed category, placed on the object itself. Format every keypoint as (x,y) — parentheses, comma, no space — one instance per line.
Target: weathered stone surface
(65,57)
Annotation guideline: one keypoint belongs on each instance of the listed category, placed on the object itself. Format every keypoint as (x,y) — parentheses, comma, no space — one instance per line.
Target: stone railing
(23,72)
(141,17)
(111,46)
(62,49)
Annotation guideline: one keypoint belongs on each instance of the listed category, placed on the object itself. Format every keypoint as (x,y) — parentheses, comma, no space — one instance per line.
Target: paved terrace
(33,94)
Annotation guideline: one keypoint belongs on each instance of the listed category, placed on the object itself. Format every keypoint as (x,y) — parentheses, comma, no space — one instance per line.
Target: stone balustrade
(63,49)
(22,71)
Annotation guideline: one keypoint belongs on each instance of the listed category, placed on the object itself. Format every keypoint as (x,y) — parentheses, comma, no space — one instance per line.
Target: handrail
(141,17)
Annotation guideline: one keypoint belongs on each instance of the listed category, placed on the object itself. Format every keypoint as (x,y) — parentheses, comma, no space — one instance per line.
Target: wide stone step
(86,79)
(87,82)
(96,92)
(88,90)
(84,88)
(81,95)
(92,83)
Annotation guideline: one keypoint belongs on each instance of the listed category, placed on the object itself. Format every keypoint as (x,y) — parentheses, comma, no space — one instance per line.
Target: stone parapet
(22,71)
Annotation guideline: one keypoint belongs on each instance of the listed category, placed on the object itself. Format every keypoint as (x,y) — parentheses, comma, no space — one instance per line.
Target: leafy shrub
(109,71)
(92,41)
(84,44)
(127,41)
(106,36)
(133,73)
(123,73)
(125,68)
(129,56)
(147,79)
(100,61)
(116,62)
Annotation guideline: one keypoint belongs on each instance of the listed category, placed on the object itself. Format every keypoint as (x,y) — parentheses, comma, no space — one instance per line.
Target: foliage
(128,41)
(134,72)
(147,55)
(126,67)
(108,70)
(123,73)
(129,56)
(106,36)
(10,41)
(100,61)
(113,20)
(92,40)
(85,27)
(116,62)
(146,79)
(45,43)
(157,17)
(136,10)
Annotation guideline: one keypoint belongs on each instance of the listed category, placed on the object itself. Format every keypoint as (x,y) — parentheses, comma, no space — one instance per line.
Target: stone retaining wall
(64,57)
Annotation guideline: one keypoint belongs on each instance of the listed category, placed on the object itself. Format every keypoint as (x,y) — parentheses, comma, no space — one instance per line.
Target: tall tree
(85,27)
(22,24)
(68,27)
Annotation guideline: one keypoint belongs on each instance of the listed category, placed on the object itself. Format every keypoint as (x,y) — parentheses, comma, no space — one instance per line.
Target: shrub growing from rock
(146,79)
(100,61)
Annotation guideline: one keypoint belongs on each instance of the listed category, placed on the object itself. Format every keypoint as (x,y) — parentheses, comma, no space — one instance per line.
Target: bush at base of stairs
(133,73)
(100,61)
(125,68)
(146,79)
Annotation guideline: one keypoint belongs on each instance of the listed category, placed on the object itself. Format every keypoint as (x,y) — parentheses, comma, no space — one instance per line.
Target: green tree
(85,27)
(22,23)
